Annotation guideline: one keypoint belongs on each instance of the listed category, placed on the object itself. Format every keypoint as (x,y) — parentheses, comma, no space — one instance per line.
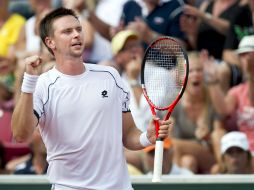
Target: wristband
(144,141)
(29,83)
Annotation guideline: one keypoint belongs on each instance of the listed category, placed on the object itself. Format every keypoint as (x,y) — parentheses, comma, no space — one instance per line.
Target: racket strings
(164,72)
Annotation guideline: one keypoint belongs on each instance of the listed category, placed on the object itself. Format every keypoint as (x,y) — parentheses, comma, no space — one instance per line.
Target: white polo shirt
(81,126)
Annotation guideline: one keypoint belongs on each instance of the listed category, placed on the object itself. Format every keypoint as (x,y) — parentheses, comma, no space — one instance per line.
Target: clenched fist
(33,65)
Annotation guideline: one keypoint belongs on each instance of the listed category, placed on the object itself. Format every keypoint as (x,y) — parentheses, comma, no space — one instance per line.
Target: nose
(76,33)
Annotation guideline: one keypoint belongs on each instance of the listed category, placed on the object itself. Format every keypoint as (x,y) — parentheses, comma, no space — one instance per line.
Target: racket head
(164,73)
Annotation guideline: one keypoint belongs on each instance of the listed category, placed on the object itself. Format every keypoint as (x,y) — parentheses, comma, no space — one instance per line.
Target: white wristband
(29,83)
(144,141)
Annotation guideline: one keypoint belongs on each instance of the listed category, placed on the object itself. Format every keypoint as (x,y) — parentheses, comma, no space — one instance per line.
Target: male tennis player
(82,111)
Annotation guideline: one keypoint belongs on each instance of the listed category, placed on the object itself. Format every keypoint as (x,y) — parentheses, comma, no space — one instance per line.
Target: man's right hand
(33,65)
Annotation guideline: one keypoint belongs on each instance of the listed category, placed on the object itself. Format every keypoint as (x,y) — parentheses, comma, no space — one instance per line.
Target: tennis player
(82,111)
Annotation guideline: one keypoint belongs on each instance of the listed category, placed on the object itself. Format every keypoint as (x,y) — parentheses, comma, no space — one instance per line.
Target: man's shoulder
(101,68)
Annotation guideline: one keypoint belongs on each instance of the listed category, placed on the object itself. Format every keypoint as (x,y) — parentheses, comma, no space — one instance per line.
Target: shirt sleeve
(38,99)
(124,93)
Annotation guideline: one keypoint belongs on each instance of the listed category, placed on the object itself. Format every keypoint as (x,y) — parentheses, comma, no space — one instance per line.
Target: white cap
(246,45)
(234,139)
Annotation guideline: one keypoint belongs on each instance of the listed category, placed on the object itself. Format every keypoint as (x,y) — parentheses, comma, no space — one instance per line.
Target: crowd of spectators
(214,121)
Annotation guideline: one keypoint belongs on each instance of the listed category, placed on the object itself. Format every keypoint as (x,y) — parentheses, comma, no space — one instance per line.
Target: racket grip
(158,158)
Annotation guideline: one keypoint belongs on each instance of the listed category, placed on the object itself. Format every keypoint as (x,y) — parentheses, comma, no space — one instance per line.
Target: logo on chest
(104,94)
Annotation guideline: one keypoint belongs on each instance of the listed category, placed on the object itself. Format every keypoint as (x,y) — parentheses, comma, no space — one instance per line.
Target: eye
(67,31)
(79,29)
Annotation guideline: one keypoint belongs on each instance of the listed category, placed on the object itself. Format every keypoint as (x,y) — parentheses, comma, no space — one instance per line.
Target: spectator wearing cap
(125,46)
(235,152)
(168,166)
(238,103)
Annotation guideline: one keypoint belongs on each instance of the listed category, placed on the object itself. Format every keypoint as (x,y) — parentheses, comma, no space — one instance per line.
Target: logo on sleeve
(104,94)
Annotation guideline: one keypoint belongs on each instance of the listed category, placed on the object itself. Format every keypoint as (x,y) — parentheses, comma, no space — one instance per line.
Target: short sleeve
(38,99)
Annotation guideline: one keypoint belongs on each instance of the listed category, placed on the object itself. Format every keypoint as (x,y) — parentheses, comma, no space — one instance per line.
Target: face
(195,80)
(247,63)
(132,50)
(67,38)
(236,160)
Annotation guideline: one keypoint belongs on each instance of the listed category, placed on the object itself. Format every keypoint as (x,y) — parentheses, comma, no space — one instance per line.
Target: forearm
(102,27)
(132,140)
(221,25)
(218,99)
(23,118)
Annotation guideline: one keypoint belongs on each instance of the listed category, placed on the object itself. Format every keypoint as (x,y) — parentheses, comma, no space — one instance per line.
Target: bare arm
(102,27)
(23,119)
(223,104)
(131,134)
(219,24)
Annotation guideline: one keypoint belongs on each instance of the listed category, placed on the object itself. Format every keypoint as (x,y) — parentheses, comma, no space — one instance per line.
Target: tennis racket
(164,75)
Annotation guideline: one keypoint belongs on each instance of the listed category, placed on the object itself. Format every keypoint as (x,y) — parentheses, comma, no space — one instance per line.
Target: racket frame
(158,160)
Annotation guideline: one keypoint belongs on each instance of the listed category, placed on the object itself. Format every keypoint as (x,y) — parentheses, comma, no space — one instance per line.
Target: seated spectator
(153,19)
(211,19)
(241,25)
(236,155)
(10,26)
(168,166)
(238,103)
(197,131)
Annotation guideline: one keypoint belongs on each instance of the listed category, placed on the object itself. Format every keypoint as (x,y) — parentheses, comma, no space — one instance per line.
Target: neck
(72,66)
(194,98)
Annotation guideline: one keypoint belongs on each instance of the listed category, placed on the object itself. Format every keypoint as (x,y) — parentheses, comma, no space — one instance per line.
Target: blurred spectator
(20,7)
(242,25)
(236,155)
(34,163)
(168,166)
(10,25)
(161,18)
(29,42)
(212,19)
(197,131)
(238,103)
(105,13)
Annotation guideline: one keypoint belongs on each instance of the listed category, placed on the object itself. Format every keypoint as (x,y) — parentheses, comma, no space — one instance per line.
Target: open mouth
(77,44)
(196,83)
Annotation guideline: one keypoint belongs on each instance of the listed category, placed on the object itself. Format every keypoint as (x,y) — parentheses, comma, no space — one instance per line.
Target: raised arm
(24,120)
(224,104)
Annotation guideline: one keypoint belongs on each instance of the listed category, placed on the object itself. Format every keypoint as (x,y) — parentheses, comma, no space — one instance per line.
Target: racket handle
(158,158)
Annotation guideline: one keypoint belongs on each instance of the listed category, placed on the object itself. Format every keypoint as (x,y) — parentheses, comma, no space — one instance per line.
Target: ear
(50,43)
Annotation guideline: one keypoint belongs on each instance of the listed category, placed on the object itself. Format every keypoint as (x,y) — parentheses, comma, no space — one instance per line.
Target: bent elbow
(20,138)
